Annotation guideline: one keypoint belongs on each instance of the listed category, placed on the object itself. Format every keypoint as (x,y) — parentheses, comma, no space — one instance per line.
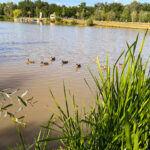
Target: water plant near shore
(120,118)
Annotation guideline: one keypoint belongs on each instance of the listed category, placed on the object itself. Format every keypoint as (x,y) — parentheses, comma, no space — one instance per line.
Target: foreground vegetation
(120,118)
(134,12)
(7,105)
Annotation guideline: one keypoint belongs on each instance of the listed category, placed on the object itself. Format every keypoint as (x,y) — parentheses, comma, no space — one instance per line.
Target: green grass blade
(21,139)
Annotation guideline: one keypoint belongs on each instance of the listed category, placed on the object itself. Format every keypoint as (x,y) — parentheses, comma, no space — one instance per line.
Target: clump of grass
(65,22)
(58,20)
(52,20)
(73,22)
(48,20)
(89,22)
(120,119)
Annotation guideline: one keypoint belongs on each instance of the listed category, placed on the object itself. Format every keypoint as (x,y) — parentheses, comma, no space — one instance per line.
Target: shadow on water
(10,135)
(14,81)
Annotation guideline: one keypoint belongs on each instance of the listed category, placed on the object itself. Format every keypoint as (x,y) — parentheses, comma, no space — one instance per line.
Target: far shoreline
(82,23)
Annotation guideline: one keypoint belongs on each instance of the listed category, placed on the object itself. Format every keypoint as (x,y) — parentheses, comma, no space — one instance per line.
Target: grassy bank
(131,25)
(120,118)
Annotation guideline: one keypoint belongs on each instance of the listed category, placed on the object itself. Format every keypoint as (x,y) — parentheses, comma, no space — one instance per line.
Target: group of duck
(28,61)
(104,67)
(52,59)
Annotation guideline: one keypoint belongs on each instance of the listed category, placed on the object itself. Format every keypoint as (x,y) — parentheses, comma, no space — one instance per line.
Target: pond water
(72,43)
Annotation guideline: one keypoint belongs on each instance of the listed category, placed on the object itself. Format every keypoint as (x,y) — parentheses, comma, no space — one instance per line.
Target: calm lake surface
(39,42)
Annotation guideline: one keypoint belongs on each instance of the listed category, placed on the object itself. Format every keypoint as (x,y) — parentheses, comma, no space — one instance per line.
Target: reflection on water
(75,44)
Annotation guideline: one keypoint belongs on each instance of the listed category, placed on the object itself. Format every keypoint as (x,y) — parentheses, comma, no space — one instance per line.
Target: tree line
(134,12)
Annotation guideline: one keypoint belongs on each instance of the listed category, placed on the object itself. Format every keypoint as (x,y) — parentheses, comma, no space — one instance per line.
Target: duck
(64,62)
(103,68)
(29,61)
(78,66)
(52,59)
(121,65)
(44,63)
(95,61)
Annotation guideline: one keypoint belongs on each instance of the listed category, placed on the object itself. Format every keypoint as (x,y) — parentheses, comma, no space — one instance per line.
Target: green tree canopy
(17,13)
(135,11)
(125,16)
(9,8)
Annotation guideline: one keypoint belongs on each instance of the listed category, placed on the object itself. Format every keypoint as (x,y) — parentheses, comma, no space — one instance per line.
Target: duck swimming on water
(95,61)
(44,63)
(78,66)
(64,62)
(29,61)
(52,59)
(103,68)
(121,65)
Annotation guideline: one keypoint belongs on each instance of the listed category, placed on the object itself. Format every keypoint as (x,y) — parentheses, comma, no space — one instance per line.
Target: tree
(37,12)
(17,13)
(58,11)
(63,11)
(99,14)
(135,6)
(89,11)
(8,9)
(134,16)
(99,6)
(42,7)
(111,15)
(52,8)
(77,14)
(45,9)
(116,8)
(82,6)
(82,10)
(29,13)
(26,6)
(125,16)
(142,16)
(1,9)
(146,7)
(83,14)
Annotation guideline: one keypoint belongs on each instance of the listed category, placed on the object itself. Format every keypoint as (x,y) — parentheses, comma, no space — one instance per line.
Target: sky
(77,2)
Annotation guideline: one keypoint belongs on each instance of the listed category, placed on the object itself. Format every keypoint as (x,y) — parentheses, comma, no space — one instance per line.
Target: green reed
(121,116)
